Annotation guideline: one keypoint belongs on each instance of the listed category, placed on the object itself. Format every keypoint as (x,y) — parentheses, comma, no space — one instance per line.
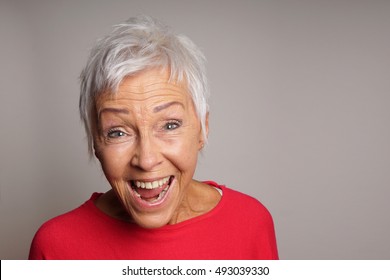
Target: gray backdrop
(300,114)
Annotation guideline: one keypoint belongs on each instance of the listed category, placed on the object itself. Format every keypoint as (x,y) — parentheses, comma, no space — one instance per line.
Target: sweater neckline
(90,204)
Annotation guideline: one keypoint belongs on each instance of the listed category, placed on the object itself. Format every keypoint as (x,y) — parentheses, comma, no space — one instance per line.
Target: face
(147,139)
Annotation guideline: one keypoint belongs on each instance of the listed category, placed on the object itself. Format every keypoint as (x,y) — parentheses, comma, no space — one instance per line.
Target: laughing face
(147,139)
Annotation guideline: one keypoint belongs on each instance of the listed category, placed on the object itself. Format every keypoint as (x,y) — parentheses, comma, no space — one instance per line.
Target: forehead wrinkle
(145,90)
(140,94)
(154,94)
(150,79)
(155,105)
(147,99)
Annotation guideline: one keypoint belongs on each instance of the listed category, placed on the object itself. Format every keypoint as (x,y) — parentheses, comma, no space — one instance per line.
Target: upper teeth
(151,185)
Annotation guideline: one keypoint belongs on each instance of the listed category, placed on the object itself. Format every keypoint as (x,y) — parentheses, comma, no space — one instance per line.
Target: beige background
(300,114)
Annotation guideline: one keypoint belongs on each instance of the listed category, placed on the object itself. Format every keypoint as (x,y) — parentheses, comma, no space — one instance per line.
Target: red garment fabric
(239,227)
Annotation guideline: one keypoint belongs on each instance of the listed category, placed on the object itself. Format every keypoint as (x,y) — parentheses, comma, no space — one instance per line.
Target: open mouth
(151,192)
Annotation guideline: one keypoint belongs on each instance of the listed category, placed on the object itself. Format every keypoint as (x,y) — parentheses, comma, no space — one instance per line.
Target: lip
(145,205)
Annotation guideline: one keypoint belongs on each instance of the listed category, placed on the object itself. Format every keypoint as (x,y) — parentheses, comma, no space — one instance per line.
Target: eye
(172,125)
(115,133)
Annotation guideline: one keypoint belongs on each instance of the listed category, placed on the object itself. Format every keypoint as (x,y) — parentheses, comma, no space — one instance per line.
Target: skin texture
(147,131)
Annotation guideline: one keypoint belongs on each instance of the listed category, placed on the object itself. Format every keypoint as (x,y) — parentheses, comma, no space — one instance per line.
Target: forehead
(147,86)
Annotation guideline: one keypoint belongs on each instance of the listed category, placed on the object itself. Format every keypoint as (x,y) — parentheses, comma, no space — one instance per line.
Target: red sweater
(239,227)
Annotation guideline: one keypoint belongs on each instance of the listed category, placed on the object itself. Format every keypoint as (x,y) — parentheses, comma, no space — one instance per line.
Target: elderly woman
(144,106)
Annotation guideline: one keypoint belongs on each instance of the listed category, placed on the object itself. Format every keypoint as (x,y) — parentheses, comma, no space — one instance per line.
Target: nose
(147,154)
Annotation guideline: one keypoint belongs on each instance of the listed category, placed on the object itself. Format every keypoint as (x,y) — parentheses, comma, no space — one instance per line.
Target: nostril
(146,156)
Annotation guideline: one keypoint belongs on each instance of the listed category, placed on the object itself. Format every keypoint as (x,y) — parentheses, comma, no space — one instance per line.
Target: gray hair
(138,44)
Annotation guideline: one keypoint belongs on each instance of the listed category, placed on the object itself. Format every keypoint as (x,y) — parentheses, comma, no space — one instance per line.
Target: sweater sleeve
(256,225)
(267,237)
(36,250)
(53,238)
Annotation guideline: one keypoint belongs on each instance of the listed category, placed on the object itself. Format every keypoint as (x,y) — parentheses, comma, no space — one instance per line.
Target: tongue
(149,193)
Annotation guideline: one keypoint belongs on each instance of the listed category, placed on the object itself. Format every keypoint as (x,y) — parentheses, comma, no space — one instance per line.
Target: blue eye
(115,134)
(172,125)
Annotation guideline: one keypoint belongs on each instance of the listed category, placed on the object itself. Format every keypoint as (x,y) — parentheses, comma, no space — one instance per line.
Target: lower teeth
(161,195)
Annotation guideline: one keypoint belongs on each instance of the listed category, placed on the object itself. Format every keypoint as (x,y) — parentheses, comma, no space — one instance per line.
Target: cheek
(184,155)
(113,162)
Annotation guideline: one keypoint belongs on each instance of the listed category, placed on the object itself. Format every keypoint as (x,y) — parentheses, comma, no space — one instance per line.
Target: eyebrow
(155,109)
(166,105)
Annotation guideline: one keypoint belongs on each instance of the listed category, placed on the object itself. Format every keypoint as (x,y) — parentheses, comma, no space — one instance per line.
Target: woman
(144,105)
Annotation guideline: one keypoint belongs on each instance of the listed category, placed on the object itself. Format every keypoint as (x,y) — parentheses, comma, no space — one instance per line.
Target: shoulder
(53,232)
(79,213)
(248,222)
(245,201)
(237,198)
(250,207)
(243,206)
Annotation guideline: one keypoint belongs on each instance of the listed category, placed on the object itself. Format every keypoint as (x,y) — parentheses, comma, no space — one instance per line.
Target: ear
(207,124)
(95,151)
(202,140)
(97,155)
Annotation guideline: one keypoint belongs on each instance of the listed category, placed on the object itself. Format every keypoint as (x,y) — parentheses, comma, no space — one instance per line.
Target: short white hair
(138,44)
